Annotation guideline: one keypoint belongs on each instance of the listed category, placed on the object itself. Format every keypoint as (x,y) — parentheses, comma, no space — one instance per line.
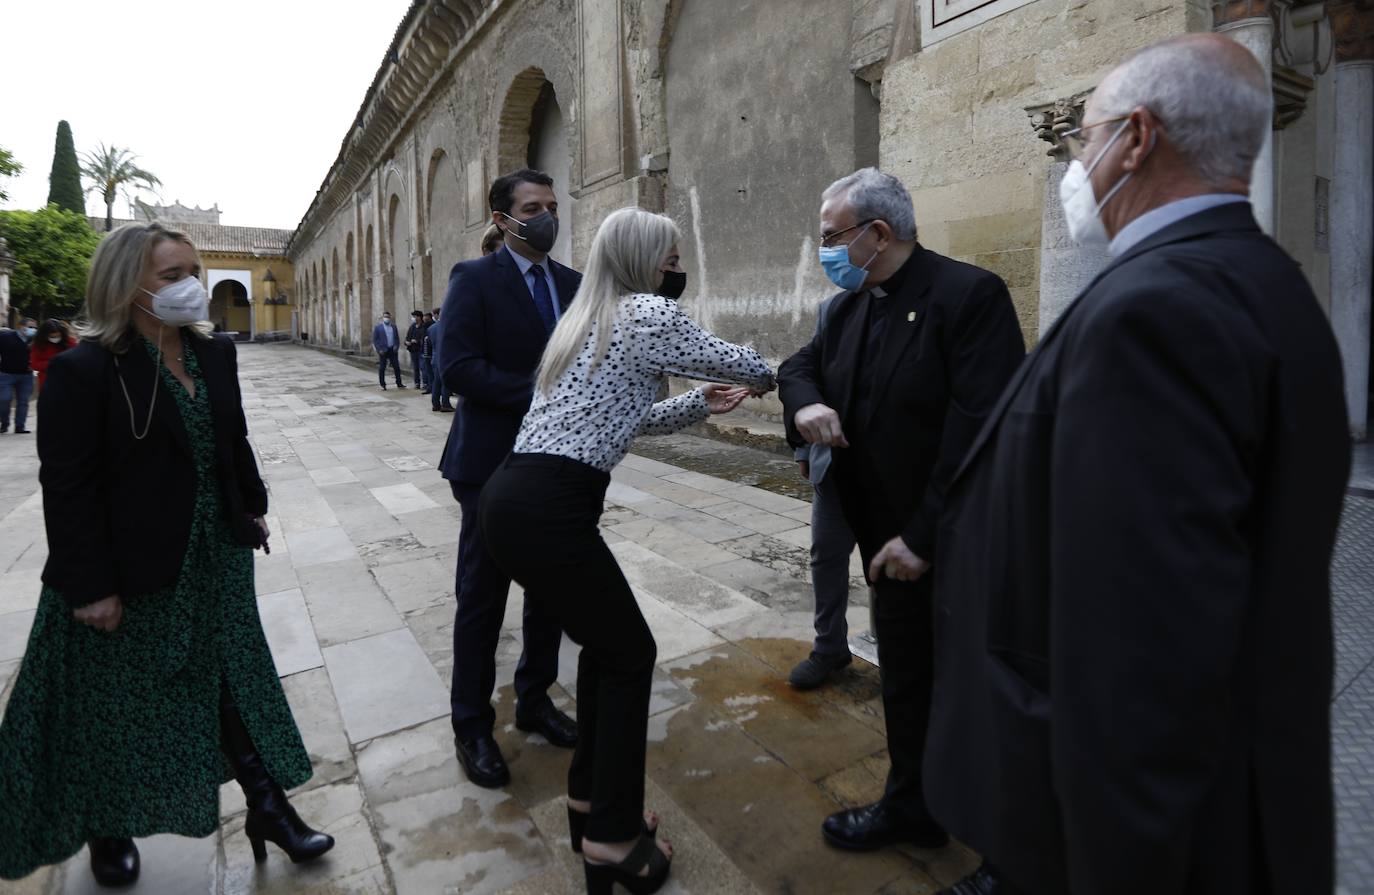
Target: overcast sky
(243,103)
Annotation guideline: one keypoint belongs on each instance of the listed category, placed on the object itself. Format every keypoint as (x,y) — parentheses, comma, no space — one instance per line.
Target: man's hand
(724,398)
(805,466)
(103,615)
(819,424)
(897,562)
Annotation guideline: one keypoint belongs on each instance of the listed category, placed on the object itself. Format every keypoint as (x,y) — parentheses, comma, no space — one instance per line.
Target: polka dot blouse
(593,417)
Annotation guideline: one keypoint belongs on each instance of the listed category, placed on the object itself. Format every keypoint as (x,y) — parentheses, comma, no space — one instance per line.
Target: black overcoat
(1133,631)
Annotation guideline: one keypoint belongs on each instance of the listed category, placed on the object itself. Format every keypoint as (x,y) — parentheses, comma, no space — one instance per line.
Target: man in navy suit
(385,341)
(497,317)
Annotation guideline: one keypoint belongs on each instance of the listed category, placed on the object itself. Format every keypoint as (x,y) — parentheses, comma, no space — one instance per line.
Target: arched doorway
(548,152)
(229,308)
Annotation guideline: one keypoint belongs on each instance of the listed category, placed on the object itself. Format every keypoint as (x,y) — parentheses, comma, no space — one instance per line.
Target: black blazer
(1133,635)
(951,344)
(118,511)
(491,339)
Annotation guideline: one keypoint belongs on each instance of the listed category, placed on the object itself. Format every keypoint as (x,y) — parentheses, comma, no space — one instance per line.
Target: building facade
(732,117)
(245,270)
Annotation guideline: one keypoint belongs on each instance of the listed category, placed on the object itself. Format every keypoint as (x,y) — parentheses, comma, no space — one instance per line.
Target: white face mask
(1082,211)
(183,302)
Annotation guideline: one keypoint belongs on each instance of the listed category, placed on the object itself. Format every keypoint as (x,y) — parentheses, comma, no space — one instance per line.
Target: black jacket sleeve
(1158,411)
(983,348)
(71,451)
(253,491)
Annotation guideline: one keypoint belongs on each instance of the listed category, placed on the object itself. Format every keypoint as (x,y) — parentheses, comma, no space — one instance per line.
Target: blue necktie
(543,301)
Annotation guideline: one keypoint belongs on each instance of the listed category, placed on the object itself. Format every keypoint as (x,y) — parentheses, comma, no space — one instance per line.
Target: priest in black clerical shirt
(914,354)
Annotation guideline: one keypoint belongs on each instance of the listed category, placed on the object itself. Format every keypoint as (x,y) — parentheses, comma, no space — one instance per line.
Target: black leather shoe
(114,862)
(21,431)
(557,728)
(816,669)
(983,881)
(481,760)
(874,826)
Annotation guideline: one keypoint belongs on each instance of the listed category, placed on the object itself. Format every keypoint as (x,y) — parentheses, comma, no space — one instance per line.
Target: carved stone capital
(1052,120)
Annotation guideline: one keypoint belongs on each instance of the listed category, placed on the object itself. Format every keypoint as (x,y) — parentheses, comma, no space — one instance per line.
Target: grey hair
(874,195)
(1213,112)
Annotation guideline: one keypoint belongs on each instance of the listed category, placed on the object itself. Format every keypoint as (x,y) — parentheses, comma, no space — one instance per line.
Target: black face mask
(539,232)
(674,284)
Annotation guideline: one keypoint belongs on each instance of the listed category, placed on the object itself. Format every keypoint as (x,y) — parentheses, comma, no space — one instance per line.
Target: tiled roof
(222,238)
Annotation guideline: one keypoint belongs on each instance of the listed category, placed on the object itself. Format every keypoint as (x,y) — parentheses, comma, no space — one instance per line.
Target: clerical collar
(893,284)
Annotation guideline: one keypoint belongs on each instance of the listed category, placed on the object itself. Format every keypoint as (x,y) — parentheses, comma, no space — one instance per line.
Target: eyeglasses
(1075,142)
(828,240)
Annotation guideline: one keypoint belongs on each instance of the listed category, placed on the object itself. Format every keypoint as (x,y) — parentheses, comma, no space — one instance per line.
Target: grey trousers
(832,543)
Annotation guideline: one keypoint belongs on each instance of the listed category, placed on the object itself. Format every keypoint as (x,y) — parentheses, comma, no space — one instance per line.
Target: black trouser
(540,514)
(481,587)
(383,357)
(415,365)
(904,614)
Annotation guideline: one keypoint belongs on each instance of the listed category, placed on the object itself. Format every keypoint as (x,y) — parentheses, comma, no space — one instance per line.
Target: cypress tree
(64,183)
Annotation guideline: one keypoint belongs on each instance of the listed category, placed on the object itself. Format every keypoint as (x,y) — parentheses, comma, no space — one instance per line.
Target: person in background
(16,374)
(386,342)
(52,339)
(607,360)
(415,343)
(147,680)
(438,392)
(492,239)
(426,355)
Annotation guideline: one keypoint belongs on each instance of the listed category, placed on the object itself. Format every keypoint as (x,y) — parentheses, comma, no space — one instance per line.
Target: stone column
(1066,268)
(1248,23)
(1352,203)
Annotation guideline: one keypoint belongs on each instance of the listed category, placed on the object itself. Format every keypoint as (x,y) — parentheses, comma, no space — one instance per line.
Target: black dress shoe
(114,862)
(481,760)
(875,826)
(557,728)
(816,669)
(983,881)
(21,431)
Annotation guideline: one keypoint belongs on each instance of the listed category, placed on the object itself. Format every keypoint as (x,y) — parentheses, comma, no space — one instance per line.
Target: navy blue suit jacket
(490,340)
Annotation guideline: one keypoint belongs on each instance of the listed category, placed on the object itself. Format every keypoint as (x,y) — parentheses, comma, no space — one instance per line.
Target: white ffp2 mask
(181,303)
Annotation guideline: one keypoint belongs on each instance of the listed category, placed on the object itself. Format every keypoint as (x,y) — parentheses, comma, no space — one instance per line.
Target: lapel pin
(911,317)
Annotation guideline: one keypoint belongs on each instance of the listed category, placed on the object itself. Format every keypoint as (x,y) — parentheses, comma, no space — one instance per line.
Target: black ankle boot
(270,816)
(114,862)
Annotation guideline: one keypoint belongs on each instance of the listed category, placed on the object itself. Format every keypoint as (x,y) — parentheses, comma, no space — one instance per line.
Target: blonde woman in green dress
(147,681)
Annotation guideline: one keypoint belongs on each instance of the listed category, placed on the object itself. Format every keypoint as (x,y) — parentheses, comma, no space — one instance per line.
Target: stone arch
(515,88)
(367,317)
(517,116)
(350,290)
(335,311)
(399,279)
(445,209)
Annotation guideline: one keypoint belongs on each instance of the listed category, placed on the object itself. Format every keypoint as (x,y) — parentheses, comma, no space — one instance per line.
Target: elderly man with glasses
(1133,640)
(912,356)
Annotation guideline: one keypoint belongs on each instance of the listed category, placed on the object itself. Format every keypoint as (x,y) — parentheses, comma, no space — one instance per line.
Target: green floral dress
(117,734)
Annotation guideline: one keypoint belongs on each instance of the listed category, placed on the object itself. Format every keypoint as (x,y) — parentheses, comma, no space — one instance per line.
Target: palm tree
(112,171)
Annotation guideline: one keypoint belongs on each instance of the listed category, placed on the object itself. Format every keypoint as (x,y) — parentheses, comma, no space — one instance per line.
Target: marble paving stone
(624,495)
(705,601)
(762,584)
(682,495)
(44,881)
(437,527)
(752,518)
(368,524)
(650,467)
(332,475)
(801,514)
(319,546)
(371,704)
(345,602)
(417,584)
(273,572)
(20,590)
(407,463)
(350,496)
(14,633)
(767,500)
(676,634)
(433,630)
(700,866)
(403,498)
(301,506)
(168,864)
(705,527)
(672,543)
(8,670)
(353,867)
(702,482)
(290,633)
(379,476)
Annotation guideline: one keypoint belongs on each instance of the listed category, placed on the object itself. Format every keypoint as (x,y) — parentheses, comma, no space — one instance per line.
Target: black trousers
(415,365)
(540,514)
(481,587)
(904,614)
(383,358)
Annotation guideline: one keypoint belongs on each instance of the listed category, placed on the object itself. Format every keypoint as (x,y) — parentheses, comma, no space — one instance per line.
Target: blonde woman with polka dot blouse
(604,365)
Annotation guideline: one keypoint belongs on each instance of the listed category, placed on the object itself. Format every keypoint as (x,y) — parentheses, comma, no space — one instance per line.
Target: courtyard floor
(357,601)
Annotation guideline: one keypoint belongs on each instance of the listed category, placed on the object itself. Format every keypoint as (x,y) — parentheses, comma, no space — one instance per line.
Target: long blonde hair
(117,268)
(626,258)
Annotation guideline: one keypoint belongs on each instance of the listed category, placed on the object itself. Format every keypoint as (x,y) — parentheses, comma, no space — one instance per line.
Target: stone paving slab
(357,602)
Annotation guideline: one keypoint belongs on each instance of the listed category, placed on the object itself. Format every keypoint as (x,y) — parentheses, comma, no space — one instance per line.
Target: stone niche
(1066,268)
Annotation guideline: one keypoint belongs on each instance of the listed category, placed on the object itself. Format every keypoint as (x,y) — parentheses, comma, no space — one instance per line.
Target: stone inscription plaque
(600,117)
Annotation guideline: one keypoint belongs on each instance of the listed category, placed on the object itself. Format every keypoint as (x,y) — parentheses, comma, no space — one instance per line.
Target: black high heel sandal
(601,878)
(577,828)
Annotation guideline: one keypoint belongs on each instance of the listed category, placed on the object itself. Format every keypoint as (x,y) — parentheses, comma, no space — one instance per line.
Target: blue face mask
(841,271)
